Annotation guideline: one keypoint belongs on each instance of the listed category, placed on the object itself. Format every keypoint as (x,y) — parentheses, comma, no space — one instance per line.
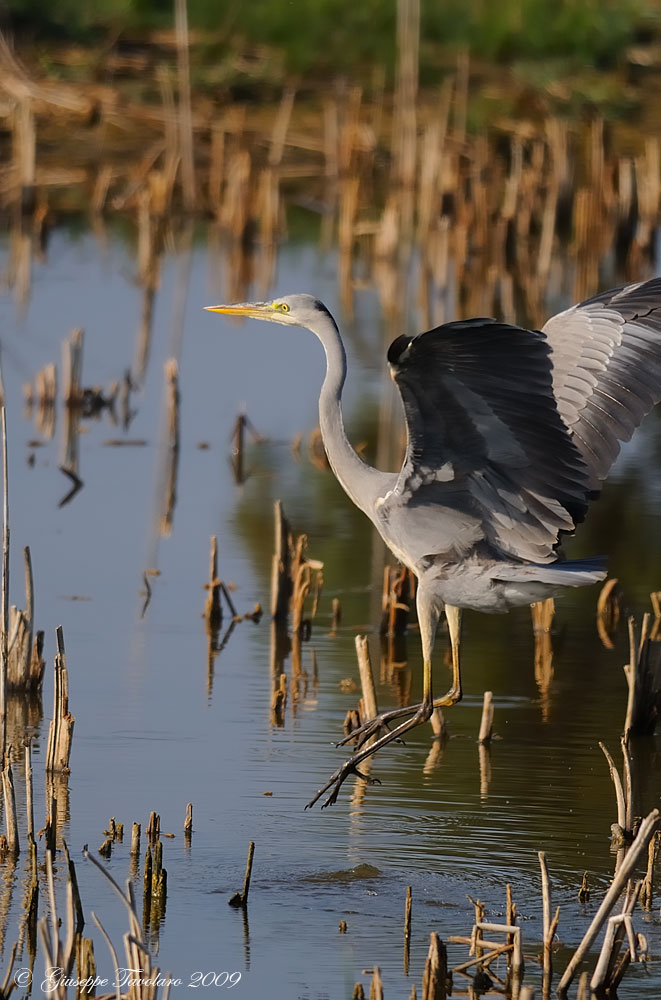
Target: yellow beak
(255,310)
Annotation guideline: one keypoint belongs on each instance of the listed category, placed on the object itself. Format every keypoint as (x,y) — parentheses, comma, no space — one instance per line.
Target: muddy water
(156,728)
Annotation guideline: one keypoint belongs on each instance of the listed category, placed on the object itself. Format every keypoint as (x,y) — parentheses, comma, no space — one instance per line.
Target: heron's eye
(284,307)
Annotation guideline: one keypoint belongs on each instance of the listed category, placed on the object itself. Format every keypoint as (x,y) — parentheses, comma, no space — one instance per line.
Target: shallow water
(153,731)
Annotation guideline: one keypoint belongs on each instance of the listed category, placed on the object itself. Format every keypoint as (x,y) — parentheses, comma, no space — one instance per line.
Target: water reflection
(159,709)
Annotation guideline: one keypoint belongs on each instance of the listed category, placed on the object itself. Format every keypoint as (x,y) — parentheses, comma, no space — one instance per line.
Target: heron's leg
(453,616)
(372,726)
(428,612)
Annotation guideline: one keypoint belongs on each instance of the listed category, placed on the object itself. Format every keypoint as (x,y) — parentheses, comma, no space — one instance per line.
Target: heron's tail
(572,573)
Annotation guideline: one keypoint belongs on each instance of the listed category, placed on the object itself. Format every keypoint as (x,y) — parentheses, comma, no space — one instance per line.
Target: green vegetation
(320,36)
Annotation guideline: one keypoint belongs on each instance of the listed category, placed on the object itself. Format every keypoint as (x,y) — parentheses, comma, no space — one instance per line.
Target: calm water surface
(153,733)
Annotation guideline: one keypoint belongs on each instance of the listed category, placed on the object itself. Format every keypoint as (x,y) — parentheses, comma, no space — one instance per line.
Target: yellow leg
(453,616)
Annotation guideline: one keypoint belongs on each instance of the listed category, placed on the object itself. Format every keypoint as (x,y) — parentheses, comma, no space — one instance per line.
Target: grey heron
(510,434)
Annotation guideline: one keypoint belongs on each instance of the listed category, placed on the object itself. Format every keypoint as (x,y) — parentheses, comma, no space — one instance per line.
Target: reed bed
(491,206)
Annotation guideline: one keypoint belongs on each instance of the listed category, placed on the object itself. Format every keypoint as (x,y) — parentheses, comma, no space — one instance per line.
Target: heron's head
(290,310)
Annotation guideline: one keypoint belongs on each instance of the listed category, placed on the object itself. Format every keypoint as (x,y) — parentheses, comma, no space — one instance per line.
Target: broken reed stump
(60,733)
(436,982)
(240,899)
(25,664)
(153,827)
(306,575)
(368,709)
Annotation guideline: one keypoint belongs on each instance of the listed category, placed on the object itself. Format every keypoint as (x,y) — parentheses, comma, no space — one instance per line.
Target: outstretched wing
(486,443)
(606,355)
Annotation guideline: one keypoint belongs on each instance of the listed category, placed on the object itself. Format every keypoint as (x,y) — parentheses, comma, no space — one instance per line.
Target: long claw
(337,780)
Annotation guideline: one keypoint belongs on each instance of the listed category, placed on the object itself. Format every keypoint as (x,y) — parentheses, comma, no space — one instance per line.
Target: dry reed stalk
(24,145)
(241,898)
(349,188)
(643,674)
(280,576)
(398,595)
(50,826)
(58,954)
(153,828)
(185,117)
(407,929)
(647,889)
(641,843)
(60,733)
(172,466)
(486,722)
(213,611)
(609,609)
(19,664)
(366,678)
(11,818)
(159,883)
(279,701)
(514,932)
(136,951)
(608,971)
(147,888)
(549,926)
(235,210)
(404,139)
(476,934)
(648,190)
(510,917)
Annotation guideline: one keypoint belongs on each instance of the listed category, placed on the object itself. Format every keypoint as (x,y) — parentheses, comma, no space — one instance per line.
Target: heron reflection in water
(510,434)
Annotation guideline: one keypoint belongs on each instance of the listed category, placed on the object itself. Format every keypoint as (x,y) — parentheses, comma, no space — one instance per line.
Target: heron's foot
(422,713)
(336,781)
(454,695)
(370,728)
(361,734)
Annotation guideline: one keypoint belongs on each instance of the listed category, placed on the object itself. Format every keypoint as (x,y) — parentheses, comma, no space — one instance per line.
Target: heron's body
(510,434)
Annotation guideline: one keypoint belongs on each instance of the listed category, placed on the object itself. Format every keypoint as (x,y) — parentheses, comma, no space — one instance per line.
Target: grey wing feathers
(485,435)
(606,355)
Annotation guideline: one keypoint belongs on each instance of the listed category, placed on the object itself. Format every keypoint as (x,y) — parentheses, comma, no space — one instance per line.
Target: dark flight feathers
(522,426)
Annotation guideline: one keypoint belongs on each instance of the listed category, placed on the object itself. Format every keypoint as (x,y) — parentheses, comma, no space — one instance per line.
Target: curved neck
(357,478)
